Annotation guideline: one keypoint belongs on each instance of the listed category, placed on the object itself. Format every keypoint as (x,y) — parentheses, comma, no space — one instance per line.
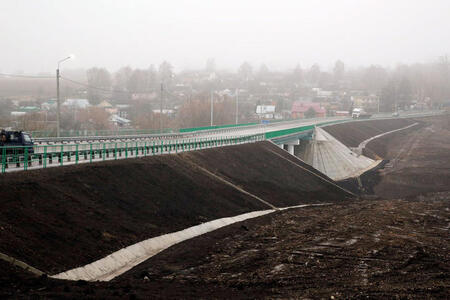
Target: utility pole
(237,105)
(161,108)
(58,100)
(58,106)
(212,109)
(378,104)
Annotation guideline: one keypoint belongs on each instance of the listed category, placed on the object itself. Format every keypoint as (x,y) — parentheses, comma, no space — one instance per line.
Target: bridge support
(291,149)
(291,145)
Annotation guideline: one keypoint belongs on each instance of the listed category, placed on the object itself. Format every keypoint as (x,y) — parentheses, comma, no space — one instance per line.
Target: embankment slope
(353,133)
(60,218)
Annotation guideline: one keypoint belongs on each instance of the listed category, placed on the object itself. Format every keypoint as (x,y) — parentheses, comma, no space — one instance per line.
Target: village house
(300,108)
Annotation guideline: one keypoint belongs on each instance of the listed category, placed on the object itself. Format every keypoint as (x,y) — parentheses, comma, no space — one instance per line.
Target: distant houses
(23,110)
(300,110)
(77,103)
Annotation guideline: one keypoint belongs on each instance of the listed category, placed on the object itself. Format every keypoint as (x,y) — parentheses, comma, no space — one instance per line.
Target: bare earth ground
(393,247)
(61,218)
(419,159)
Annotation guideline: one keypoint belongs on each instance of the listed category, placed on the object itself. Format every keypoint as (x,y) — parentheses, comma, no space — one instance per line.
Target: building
(49,104)
(123,110)
(77,103)
(23,110)
(168,112)
(144,96)
(342,113)
(265,111)
(108,107)
(119,121)
(300,108)
(18,113)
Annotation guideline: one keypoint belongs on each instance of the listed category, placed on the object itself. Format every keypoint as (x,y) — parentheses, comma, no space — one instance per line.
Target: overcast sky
(35,34)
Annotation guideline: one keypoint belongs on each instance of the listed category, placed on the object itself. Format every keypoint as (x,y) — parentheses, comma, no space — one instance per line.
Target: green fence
(24,158)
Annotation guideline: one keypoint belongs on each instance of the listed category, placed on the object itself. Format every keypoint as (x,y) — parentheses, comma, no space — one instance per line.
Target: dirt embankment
(415,158)
(353,133)
(363,249)
(59,218)
(419,159)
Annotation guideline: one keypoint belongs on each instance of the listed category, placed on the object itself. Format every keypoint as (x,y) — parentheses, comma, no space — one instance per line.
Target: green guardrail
(278,133)
(283,132)
(215,127)
(80,133)
(43,156)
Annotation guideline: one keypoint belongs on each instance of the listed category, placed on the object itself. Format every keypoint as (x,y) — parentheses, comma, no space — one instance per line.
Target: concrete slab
(334,159)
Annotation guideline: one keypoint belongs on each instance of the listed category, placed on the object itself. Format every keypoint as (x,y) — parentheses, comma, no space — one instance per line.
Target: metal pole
(212,109)
(161,108)
(58,106)
(237,105)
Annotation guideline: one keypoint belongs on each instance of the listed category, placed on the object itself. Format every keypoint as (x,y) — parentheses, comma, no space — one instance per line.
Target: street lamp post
(237,105)
(58,102)
(161,108)
(212,108)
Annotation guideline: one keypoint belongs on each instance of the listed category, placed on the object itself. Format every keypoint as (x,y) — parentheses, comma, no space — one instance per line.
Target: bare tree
(165,71)
(99,80)
(245,71)
(338,71)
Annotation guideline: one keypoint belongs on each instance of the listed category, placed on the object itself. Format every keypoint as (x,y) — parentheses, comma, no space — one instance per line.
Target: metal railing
(44,156)
(90,133)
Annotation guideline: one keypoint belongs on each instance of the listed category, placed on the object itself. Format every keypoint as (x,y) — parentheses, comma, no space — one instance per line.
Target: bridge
(54,152)
(124,212)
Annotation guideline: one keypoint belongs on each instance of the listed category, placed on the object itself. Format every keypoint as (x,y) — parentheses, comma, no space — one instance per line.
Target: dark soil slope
(388,249)
(59,218)
(353,133)
(419,160)
(270,173)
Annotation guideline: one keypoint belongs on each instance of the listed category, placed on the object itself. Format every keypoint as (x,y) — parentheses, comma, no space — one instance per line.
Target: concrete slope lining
(334,159)
(125,259)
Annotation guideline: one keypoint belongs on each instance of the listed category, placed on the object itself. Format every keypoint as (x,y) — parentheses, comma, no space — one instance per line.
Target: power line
(26,76)
(83,84)
(91,86)
(103,89)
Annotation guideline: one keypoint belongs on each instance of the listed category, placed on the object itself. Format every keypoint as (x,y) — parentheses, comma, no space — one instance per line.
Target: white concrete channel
(363,144)
(125,259)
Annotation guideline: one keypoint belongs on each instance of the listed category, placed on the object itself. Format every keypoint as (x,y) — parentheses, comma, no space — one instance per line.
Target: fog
(34,35)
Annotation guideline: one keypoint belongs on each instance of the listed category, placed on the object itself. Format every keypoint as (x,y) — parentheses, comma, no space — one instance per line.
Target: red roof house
(299,108)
